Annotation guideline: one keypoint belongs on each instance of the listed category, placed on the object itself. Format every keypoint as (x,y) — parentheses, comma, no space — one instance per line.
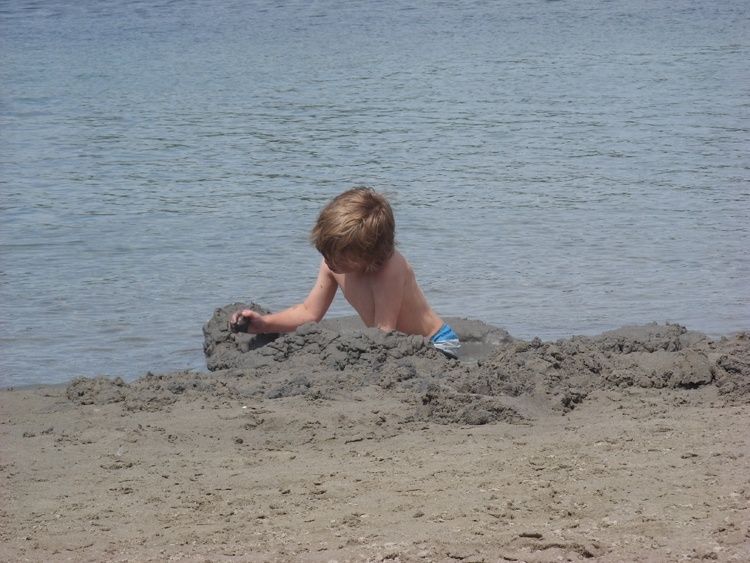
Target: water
(556,168)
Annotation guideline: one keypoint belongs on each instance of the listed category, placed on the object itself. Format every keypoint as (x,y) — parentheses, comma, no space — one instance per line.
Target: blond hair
(356,226)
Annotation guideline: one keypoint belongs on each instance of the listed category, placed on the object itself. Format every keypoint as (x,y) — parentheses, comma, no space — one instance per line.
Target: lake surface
(556,167)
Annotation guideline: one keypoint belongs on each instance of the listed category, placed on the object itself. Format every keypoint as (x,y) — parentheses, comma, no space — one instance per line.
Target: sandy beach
(337,443)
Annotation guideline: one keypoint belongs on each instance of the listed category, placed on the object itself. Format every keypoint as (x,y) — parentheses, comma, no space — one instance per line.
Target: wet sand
(341,443)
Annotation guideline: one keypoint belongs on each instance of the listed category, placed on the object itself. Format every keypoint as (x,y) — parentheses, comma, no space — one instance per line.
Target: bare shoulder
(396,267)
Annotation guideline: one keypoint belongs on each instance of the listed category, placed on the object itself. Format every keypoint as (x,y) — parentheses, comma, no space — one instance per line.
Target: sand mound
(650,356)
(340,356)
(336,343)
(497,378)
(225,349)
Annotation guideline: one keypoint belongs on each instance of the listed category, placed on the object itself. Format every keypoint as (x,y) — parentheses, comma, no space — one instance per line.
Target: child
(355,234)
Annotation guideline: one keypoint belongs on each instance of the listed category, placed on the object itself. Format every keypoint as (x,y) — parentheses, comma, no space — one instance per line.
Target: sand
(342,443)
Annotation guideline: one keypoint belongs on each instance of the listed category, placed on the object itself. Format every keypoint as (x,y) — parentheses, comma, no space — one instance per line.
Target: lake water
(556,167)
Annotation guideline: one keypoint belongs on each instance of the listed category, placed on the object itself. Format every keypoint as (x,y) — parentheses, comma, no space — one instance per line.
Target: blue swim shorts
(446,340)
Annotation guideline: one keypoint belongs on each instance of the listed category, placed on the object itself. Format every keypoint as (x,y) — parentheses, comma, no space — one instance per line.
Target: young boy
(355,234)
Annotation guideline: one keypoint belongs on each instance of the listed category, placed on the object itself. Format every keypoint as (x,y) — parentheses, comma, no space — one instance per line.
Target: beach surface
(339,443)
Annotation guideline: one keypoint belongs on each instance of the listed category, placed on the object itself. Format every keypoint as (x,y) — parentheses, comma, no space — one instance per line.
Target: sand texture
(342,443)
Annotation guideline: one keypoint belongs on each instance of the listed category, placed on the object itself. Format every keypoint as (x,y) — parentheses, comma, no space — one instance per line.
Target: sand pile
(650,356)
(497,378)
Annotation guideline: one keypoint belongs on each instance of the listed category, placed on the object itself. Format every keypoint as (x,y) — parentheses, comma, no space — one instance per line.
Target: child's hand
(246,320)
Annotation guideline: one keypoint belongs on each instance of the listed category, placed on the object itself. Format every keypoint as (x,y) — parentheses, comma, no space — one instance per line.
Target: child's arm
(388,292)
(310,310)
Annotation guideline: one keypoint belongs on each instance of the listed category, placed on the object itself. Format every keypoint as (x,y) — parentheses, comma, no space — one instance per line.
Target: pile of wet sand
(497,378)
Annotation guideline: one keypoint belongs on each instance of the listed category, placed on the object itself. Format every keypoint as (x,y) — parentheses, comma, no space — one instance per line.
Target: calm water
(556,168)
